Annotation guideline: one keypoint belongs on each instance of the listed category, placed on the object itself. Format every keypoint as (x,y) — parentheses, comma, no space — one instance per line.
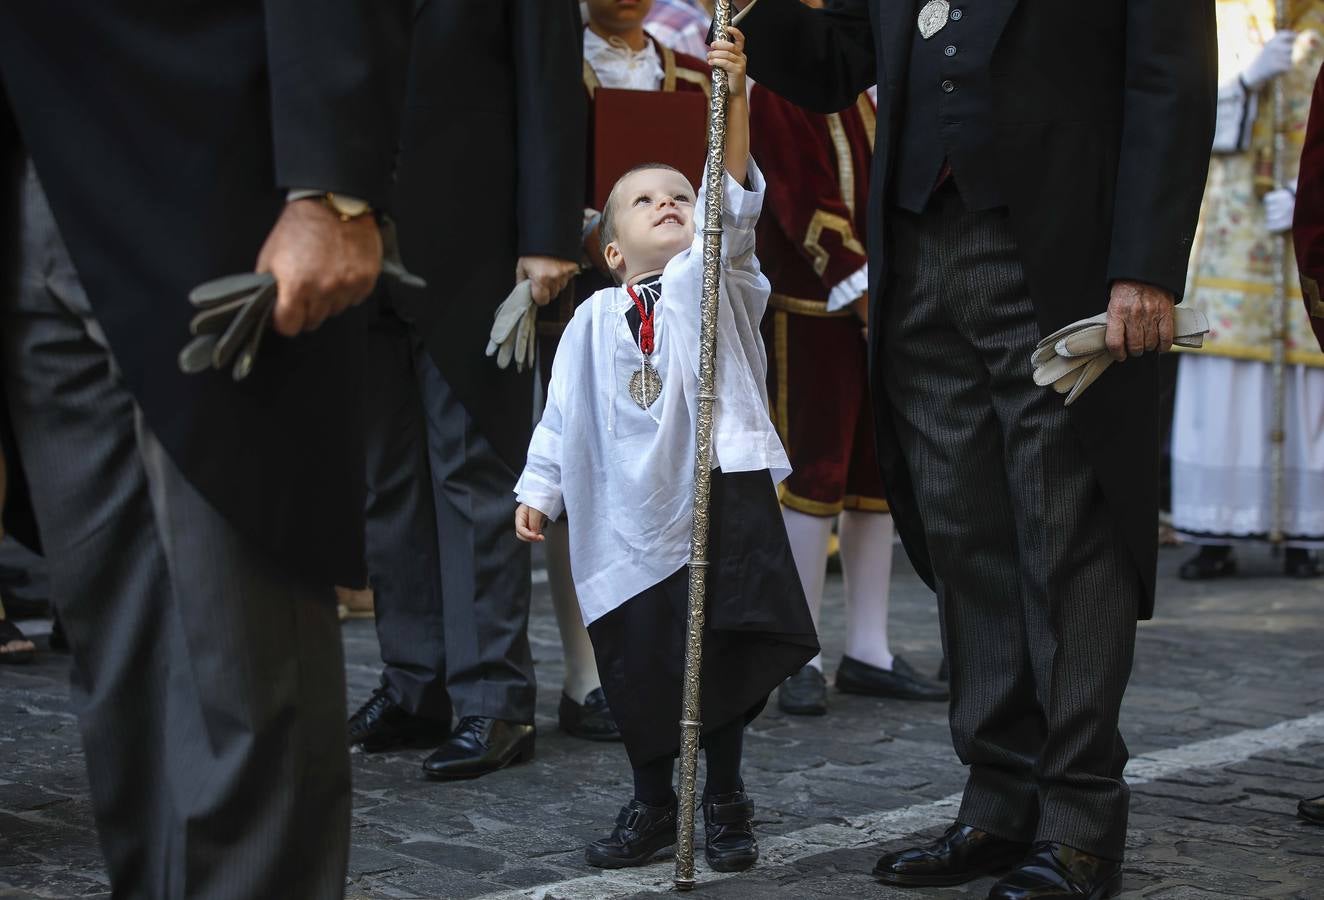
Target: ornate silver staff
(703,471)
(1278,305)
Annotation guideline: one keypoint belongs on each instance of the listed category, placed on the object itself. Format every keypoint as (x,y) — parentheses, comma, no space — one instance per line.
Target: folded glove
(1072,358)
(1279,207)
(233,312)
(514,331)
(1274,59)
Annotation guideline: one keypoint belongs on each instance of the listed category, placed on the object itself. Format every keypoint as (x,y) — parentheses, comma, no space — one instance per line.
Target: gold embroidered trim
(870,117)
(866,504)
(1310,287)
(824,220)
(845,168)
(816,308)
(697,78)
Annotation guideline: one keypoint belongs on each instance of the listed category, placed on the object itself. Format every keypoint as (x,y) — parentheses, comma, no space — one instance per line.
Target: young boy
(615,452)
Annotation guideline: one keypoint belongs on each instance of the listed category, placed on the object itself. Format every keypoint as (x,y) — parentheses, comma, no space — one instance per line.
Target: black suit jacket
(165,135)
(491,169)
(1104,113)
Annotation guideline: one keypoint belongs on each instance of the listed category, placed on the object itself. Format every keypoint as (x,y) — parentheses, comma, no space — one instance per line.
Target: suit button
(949,50)
(948,86)
(956,15)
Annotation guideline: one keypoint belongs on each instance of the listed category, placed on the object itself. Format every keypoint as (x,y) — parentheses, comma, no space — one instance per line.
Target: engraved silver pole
(1278,307)
(703,440)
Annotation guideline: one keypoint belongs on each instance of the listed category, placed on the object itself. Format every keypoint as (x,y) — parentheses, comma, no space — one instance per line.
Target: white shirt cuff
(848,291)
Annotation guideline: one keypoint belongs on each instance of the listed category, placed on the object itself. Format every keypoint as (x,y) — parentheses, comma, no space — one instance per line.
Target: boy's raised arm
(729,56)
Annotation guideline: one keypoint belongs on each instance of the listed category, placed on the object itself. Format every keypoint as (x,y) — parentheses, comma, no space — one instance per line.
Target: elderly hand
(322,265)
(548,274)
(1139,319)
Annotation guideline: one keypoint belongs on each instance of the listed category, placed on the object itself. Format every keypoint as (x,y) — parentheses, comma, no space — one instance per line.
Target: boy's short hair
(607,226)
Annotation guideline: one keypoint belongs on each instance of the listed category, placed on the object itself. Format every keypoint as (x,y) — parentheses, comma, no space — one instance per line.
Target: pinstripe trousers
(208,679)
(1037,593)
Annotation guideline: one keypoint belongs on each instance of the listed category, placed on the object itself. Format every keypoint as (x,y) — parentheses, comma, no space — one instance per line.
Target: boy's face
(618,15)
(653,221)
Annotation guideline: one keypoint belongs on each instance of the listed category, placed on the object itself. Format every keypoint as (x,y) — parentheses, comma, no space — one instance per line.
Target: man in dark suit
(490,193)
(195,525)
(1037,162)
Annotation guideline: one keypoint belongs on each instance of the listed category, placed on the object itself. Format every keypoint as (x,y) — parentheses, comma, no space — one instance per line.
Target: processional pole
(1279,308)
(703,471)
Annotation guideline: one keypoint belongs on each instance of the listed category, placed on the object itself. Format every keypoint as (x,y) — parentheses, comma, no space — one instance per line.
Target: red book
(631,128)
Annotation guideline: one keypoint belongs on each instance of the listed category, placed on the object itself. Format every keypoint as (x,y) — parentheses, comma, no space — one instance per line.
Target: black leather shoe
(641,833)
(803,694)
(1212,561)
(1300,563)
(728,821)
(381,725)
(902,683)
(480,745)
(962,854)
(1312,810)
(591,720)
(1057,872)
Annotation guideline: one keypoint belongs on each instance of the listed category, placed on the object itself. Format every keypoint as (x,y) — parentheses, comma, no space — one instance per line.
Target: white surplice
(624,476)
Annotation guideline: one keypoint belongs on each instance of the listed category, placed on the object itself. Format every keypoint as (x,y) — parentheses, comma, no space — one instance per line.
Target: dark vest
(949,110)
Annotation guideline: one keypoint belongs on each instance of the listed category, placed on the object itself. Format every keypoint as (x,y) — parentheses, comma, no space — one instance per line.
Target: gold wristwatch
(346,208)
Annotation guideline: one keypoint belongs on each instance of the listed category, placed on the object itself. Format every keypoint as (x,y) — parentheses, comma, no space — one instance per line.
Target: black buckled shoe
(728,821)
(803,694)
(480,745)
(591,720)
(381,725)
(1211,561)
(1299,562)
(641,833)
(902,683)
(962,854)
(1057,872)
(1311,810)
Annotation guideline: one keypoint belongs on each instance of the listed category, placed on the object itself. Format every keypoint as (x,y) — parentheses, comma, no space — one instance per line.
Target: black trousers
(1036,590)
(451,581)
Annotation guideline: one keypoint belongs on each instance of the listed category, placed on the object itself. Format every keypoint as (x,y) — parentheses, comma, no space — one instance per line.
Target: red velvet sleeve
(1308,225)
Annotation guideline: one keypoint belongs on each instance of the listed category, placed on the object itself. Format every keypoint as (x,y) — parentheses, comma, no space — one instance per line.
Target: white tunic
(624,476)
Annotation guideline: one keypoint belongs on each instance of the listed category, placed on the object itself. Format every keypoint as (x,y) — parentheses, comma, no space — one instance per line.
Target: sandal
(15,648)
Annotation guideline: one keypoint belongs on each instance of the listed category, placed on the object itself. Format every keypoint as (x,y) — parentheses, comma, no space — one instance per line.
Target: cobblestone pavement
(1225,719)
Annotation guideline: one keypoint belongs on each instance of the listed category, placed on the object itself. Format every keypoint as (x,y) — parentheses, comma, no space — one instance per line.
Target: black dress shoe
(380,725)
(728,821)
(591,720)
(803,694)
(962,854)
(1312,810)
(1212,561)
(480,745)
(1057,872)
(641,832)
(1300,563)
(902,683)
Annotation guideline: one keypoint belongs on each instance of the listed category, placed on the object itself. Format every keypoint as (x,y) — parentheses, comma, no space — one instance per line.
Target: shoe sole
(860,690)
(897,879)
(521,756)
(1306,817)
(736,865)
(657,854)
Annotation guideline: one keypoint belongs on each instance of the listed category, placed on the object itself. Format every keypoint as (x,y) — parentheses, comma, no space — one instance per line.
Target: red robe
(1308,225)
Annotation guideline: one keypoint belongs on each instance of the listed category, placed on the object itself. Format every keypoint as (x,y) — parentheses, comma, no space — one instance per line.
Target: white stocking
(866,561)
(809,537)
(581,667)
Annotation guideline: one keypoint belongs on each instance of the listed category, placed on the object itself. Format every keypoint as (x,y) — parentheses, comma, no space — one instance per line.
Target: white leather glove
(1279,206)
(514,330)
(1273,60)
(1072,358)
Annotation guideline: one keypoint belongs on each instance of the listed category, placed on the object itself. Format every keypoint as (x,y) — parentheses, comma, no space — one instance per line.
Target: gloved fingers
(511,311)
(1090,374)
(196,355)
(241,329)
(1085,342)
(215,319)
(243,365)
(229,287)
(1050,340)
(1057,367)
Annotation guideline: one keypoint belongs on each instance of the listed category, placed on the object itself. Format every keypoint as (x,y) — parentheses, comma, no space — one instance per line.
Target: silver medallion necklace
(645,384)
(933,17)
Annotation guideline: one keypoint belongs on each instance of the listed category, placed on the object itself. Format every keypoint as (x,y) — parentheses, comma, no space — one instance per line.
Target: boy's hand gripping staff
(703,471)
